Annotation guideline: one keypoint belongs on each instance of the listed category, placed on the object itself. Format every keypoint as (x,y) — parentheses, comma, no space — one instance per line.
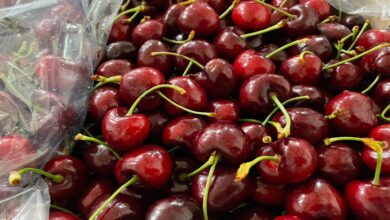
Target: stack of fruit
(213,109)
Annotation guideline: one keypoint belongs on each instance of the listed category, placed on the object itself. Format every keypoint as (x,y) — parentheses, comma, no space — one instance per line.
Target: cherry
(381,61)
(287,4)
(60,215)
(381,93)
(121,30)
(220,197)
(353,113)
(13,147)
(278,58)
(251,15)
(142,194)
(175,208)
(287,217)
(316,199)
(252,213)
(343,77)
(46,28)
(114,67)
(305,21)
(229,43)
(256,133)
(99,159)
(249,64)
(302,69)
(161,63)
(225,110)
(199,17)
(218,5)
(258,92)
(102,100)
(219,74)
(317,44)
(352,20)
(373,37)
(158,121)
(181,166)
(182,131)
(147,30)
(334,31)
(94,189)
(270,195)
(120,50)
(338,163)
(170,18)
(121,207)
(306,123)
(318,97)
(322,7)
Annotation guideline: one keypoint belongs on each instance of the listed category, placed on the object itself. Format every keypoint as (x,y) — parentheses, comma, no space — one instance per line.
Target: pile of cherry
(213,109)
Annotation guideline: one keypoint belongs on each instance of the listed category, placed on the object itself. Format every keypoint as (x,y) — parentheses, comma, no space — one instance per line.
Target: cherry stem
(382,115)
(153,89)
(208,114)
(276,9)
(162,53)
(81,137)
(188,2)
(365,26)
(206,165)
(52,206)
(304,97)
(266,139)
(105,80)
(188,68)
(249,120)
(278,128)
(191,36)
(331,116)
(287,46)
(208,186)
(131,181)
(279,25)
(373,144)
(303,54)
(331,18)
(327,67)
(229,9)
(341,43)
(135,9)
(376,80)
(244,168)
(283,3)
(173,149)
(287,128)
(124,6)
(16,176)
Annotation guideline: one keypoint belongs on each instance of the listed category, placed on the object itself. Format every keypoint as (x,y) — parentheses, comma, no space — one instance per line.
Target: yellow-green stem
(16,177)
(229,9)
(191,36)
(207,188)
(279,25)
(206,165)
(286,46)
(244,168)
(365,26)
(162,53)
(81,137)
(276,9)
(376,80)
(382,115)
(287,128)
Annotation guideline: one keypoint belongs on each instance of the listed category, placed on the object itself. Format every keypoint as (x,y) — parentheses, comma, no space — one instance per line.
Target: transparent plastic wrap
(377,10)
(48,50)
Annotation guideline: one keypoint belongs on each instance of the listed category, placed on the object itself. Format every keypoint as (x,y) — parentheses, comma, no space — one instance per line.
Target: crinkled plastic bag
(377,10)
(48,50)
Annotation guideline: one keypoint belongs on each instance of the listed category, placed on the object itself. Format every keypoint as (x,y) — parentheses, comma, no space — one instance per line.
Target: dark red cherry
(250,15)
(121,30)
(333,31)
(102,100)
(199,17)
(343,77)
(136,82)
(256,133)
(355,113)
(225,138)
(287,4)
(317,44)
(182,165)
(120,50)
(147,30)
(218,5)
(352,20)
(151,163)
(267,194)
(298,160)
(318,96)
(74,176)
(249,64)
(373,37)
(221,197)
(158,120)
(199,50)
(278,58)
(161,63)
(255,92)
(251,213)
(93,190)
(170,18)
(217,73)
(121,207)
(123,132)
(99,159)
(322,7)
(381,93)
(381,61)
(182,131)
(304,23)
(195,97)
(114,67)
(338,163)
(369,201)
(225,110)
(175,208)
(60,215)
(304,69)
(14,147)
(229,43)
(316,199)
(306,123)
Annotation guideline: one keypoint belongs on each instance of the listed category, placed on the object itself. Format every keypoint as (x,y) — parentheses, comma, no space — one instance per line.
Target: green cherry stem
(287,128)
(278,128)
(327,67)
(279,25)
(376,80)
(191,36)
(332,18)
(249,120)
(15,177)
(365,26)
(151,90)
(206,165)
(283,3)
(304,40)
(131,181)
(341,43)
(124,6)
(105,80)
(244,168)
(208,114)
(178,55)
(382,115)
(188,68)
(81,137)
(276,9)
(229,9)
(132,10)
(207,187)
(188,2)
(303,54)
(305,97)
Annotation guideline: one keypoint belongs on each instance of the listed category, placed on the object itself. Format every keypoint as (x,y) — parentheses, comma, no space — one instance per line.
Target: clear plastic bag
(48,50)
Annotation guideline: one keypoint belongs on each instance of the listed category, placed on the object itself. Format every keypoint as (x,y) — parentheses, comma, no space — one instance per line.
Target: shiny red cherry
(99,159)
(269,195)
(318,96)
(170,18)
(248,64)
(304,69)
(317,44)
(60,215)
(121,30)
(381,61)
(102,100)
(343,77)
(256,133)
(225,110)
(304,23)
(381,93)
(373,37)
(251,15)
(322,7)
(114,67)
(229,43)
(352,20)
(333,31)
(147,30)
(161,63)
